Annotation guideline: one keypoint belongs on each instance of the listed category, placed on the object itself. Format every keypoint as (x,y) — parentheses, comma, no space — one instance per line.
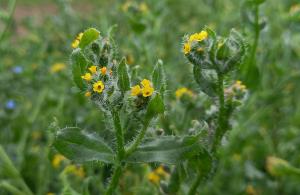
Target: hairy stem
(115,180)
(221,116)
(119,134)
(138,139)
(195,185)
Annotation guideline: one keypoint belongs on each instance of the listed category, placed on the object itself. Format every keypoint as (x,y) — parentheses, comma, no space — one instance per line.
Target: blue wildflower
(17,69)
(10,104)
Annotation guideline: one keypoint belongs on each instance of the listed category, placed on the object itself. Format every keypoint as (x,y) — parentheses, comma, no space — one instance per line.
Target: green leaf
(79,65)
(166,149)
(208,86)
(82,146)
(155,107)
(158,76)
(88,37)
(123,77)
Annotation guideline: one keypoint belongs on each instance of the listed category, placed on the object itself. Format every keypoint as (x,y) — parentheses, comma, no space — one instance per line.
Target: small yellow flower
(250,190)
(98,87)
(57,159)
(78,171)
(198,36)
(126,5)
(153,177)
(294,9)
(135,90)
(57,67)
(186,48)
(147,91)
(87,77)
(103,70)
(239,86)
(50,193)
(146,83)
(143,7)
(183,91)
(93,69)
(161,171)
(88,94)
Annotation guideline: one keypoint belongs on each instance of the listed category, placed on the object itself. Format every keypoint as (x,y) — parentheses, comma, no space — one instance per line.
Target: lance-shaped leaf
(166,149)
(155,107)
(88,37)
(82,146)
(158,75)
(79,65)
(123,77)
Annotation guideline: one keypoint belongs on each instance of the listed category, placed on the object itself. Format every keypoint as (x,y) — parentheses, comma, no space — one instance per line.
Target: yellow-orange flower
(183,91)
(186,48)
(98,87)
(88,94)
(198,36)
(103,70)
(146,83)
(93,69)
(135,90)
(57,159)
(57,67)
(147,91)
(78,171)
(76,42)
(153,177)
(87,77)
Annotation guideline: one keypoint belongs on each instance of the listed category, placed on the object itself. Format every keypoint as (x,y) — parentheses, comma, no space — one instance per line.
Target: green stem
(221,117)
(119,134)
(10,188)
(195,185)
(115,180)
(12,6)
(139,138)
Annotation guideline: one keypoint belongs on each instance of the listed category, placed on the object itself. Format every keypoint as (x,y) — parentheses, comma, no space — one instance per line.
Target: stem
(221,117)
(119,134)
(114,181)
(12,7)
(139,138)
(195,185)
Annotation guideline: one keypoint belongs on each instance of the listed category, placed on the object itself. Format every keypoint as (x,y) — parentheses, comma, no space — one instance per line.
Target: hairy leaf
(81,146)
(79,65)
(88,37)
(123,77)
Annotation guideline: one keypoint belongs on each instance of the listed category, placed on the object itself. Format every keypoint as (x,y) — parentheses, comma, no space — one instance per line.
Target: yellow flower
(50,193)
(161,171)
(295,8)
(57,159)
(93,69)
(135,90)
(78,171)
(98,87)
(103,70)
(88,94)
(126,5)
(57,67)
(77,40)
(186,48)
(87,77)
(147,91)
(198,36)
(143,7)
(183,91)
(153,177)
(146,83)
(239,86)
(250,190)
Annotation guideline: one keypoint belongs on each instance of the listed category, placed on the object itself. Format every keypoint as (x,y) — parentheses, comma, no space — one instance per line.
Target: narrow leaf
(166,149)
(123,77)
(155,107)
(158,77)
(79,64)
(81,146)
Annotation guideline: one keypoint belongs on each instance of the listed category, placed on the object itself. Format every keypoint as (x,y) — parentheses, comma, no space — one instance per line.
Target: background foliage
(38,93)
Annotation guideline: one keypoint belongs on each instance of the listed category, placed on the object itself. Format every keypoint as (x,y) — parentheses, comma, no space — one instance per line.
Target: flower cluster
(95,75)
(236,90)
(146,90)
(196,37)
(76,42)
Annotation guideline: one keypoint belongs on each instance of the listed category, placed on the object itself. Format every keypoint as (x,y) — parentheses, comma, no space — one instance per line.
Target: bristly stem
(195,185)
(139,138)
(119,134)
(221,116)
(120,152)
(114,180)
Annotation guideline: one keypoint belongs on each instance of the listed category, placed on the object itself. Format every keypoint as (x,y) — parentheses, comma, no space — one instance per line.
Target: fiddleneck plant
(129,103)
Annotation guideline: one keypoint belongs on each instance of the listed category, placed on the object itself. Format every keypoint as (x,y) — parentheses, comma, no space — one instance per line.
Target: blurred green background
(37,89)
